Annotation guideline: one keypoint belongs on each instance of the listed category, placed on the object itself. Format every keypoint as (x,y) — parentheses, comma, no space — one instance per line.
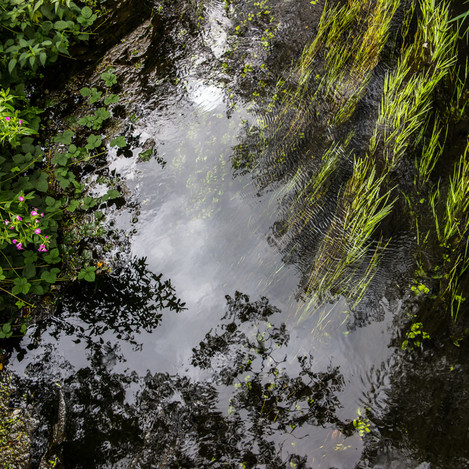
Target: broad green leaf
(42,184)
(12,65)
(113,194)
(85,92)
(88,274)
(52,257)
(111,99)
(61,159)
(30,257)
(118,141)
(43,58)
(50,276)
(94,141)
(61,25)
(65,138)
(86,12)
(21,285)
(29,271)
(37,289)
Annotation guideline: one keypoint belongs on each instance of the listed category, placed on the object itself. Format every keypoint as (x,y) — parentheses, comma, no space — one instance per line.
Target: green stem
(89,157)
(9,263)
(20,171)
(20,299)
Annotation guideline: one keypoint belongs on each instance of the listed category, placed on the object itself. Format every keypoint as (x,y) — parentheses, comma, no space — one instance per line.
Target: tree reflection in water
(123,420)
(128,300)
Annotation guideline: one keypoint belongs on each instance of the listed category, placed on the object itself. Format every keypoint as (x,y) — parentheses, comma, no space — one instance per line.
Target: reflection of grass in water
(308,193)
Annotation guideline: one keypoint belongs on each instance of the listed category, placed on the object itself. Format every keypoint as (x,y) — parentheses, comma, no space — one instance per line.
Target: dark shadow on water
(125,302)
(128,300)
(252,401)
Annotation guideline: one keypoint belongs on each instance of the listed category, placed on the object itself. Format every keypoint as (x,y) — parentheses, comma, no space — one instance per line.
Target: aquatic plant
(462,21)
(414,337)
(409,90)
(408,95)
(346,48)
(431,152)
(348,241)
(301,198)
(452,231)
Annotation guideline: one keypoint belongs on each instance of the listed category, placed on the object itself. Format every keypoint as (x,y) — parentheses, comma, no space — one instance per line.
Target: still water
(190,353)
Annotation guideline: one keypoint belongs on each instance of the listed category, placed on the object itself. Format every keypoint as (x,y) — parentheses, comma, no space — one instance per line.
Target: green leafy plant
(419,288)
(415,336)
(362,424)
(42,200)
(35,32)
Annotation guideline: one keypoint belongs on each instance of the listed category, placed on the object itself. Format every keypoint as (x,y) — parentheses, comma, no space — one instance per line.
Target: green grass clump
(409,90)
(346,48)
(349,241)
(452,229)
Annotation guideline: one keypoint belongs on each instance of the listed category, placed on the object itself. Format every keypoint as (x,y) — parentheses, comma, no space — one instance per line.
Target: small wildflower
(19,246)
(34,213)
(11,227)
(21,198)
(21,121)
(6,222)
(37,230)
(7,119)
(47,237)
(19,218)
(42,214)
(14,241)
(42,248)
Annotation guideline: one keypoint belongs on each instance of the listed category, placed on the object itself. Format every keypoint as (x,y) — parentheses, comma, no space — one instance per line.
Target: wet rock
(16,428)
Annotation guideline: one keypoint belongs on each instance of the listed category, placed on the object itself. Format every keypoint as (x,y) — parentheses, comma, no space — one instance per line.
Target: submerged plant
(409,90)
(414,337)
(452,230)
(348,243)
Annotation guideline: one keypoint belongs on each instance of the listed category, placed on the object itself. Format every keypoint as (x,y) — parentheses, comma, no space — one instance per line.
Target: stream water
(190,353)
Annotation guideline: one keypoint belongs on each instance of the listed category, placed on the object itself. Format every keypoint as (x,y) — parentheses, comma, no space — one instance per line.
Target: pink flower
(19,246)
(6,222)
(19,218)
(34,213)
(7,119)
(21,198)
(42,214)
(21,121)
(37,230)
(11,227)
(14,241)
(47,237)
(42,248)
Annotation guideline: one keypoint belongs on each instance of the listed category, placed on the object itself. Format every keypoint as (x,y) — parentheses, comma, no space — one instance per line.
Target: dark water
(190,353)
